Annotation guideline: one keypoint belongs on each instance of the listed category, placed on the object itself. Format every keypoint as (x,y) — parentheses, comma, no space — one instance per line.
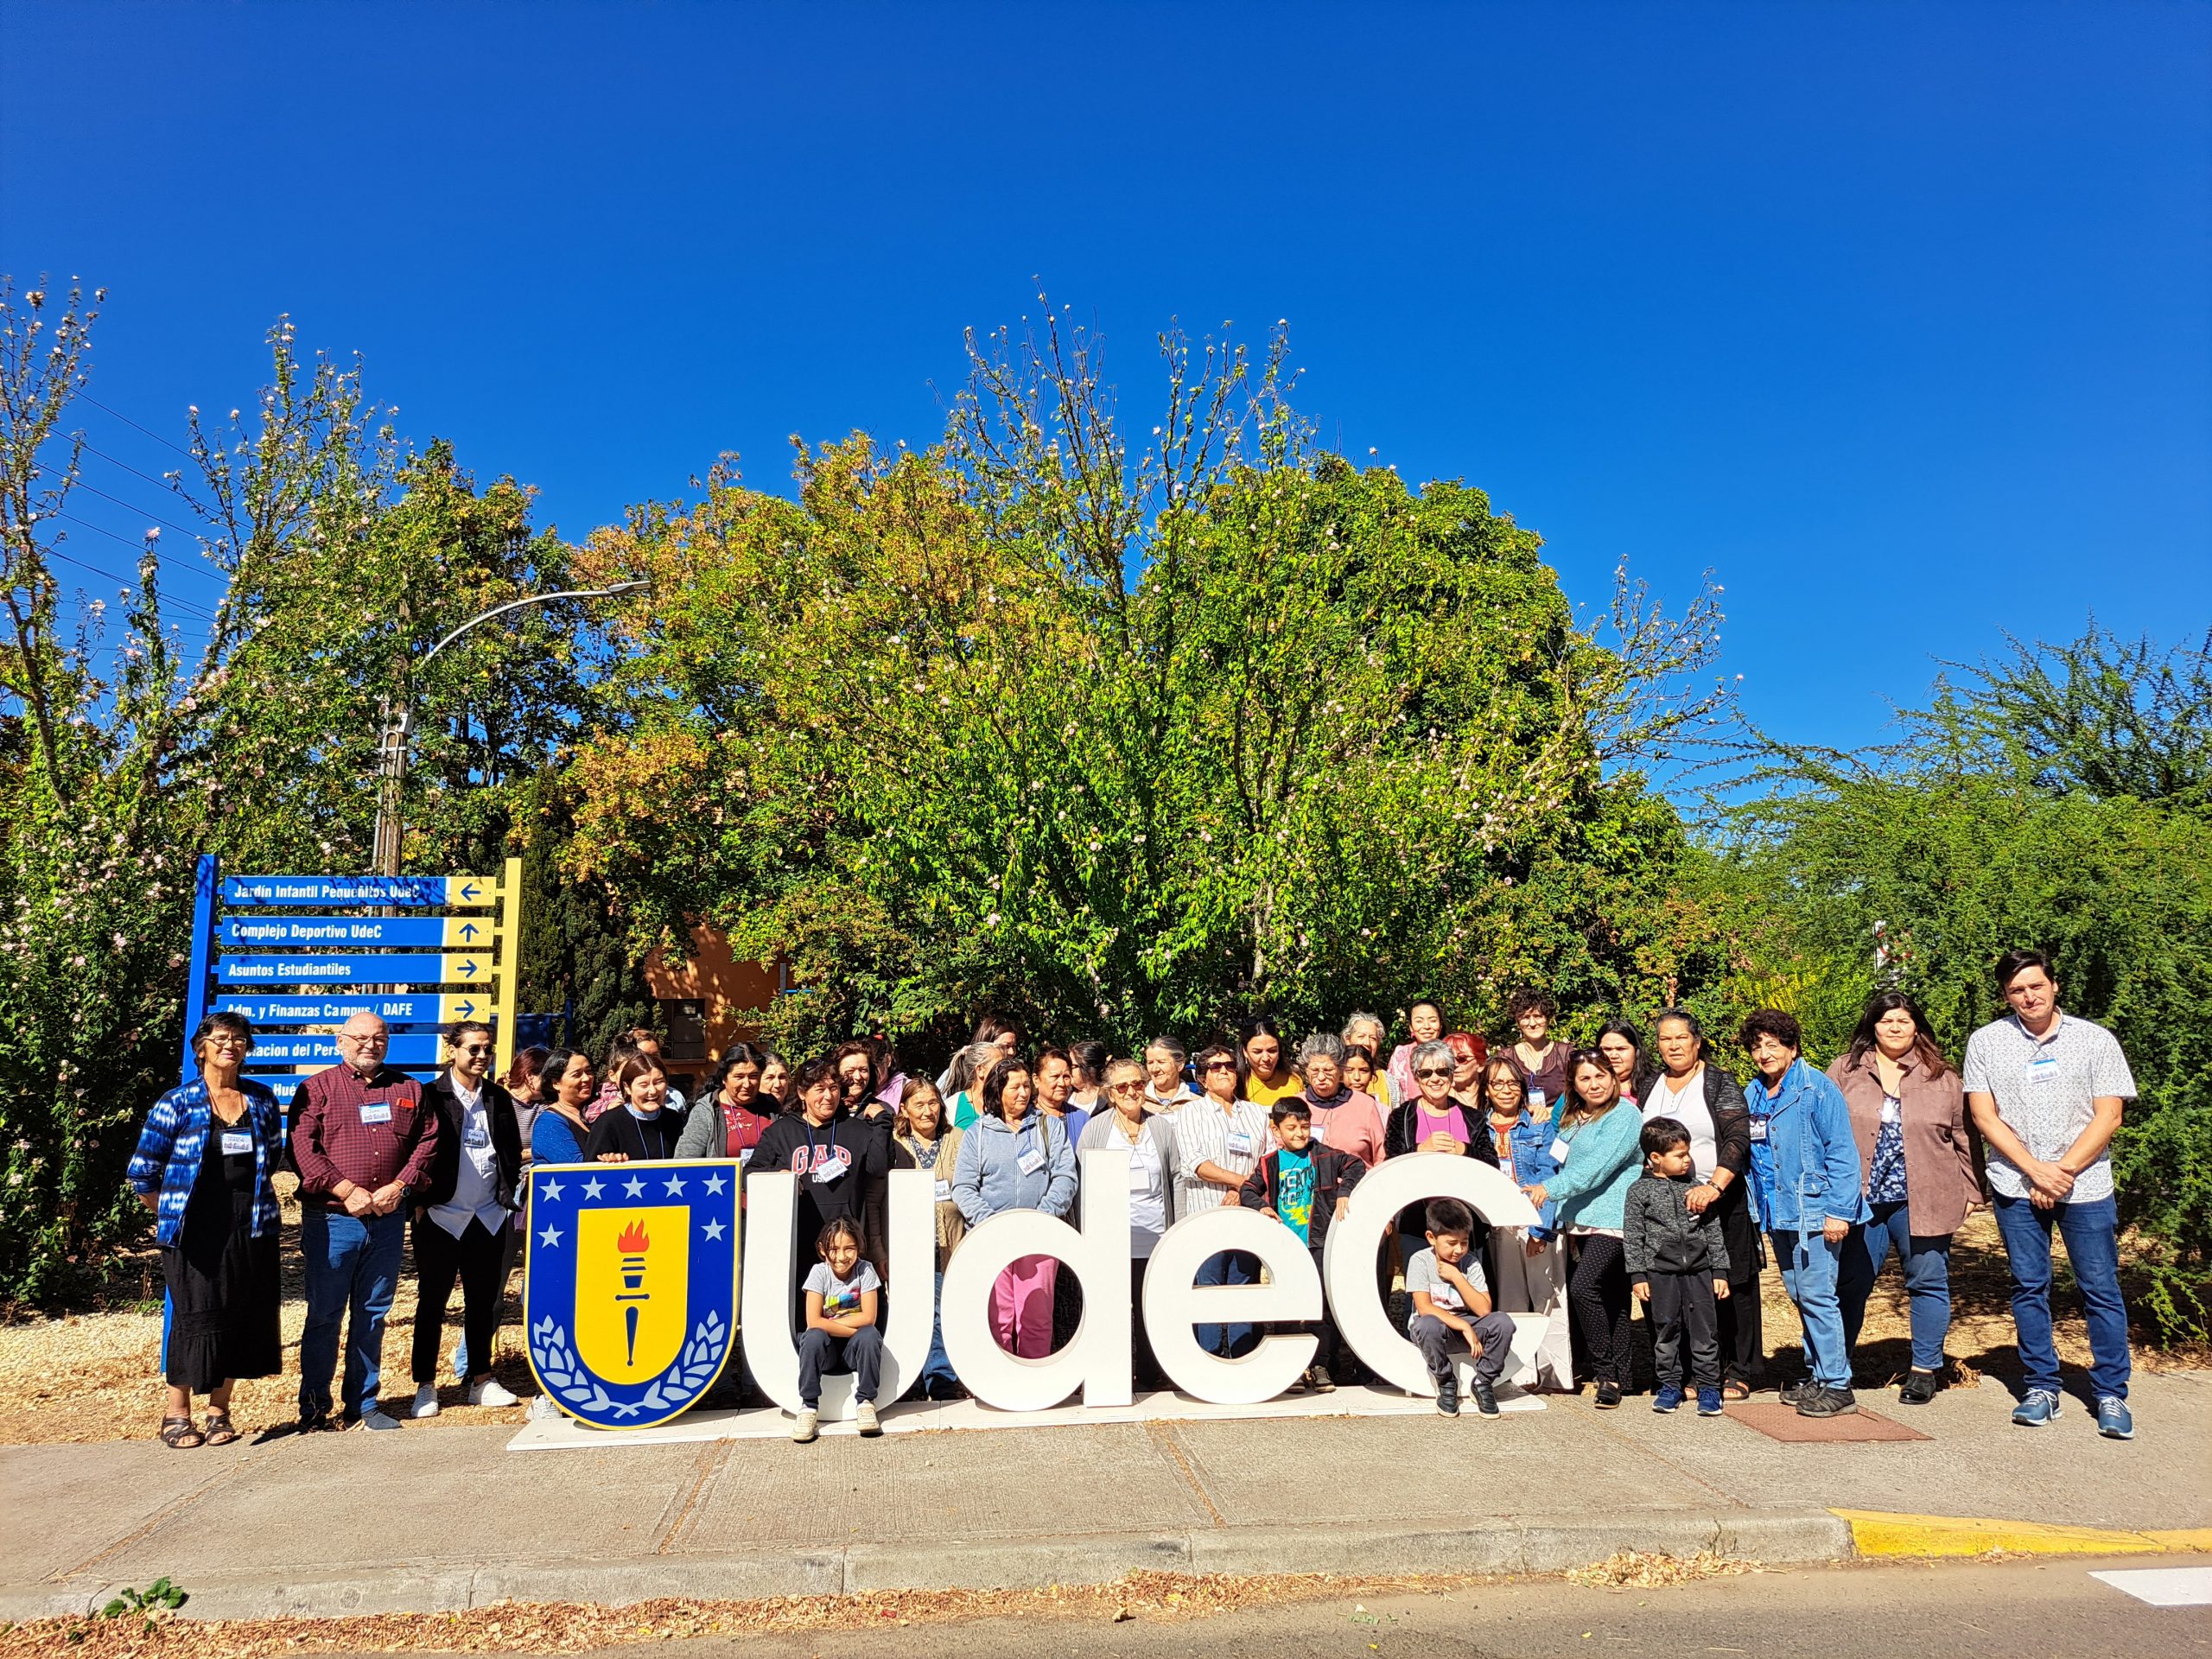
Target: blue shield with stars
(630,1295)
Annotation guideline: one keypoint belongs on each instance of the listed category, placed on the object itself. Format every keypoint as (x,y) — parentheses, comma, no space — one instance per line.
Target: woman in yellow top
(1265,1078)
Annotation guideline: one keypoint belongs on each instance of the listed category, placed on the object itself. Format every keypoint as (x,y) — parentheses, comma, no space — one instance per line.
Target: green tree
(1118,742)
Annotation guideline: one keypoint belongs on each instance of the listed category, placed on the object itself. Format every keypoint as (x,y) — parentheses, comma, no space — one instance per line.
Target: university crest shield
(631,1293)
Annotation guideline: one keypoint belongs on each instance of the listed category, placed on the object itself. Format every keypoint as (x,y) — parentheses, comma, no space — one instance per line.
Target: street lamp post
(399,725)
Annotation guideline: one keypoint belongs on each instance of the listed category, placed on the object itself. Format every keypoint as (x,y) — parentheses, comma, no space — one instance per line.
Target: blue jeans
(352,1264)
(938,1378)
(1926,1263)
(1229,1267)
(2091,1233)
(1809,1265)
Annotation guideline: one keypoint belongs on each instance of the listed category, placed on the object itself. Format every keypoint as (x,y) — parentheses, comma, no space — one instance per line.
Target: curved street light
(399,726)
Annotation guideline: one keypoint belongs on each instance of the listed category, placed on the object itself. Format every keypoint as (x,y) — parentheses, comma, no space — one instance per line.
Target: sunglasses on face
(1221,1065)
(474,1048)
(1433,1072)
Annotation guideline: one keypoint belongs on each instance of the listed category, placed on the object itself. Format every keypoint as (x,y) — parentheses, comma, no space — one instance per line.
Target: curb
(1877,1535)
(1532,1544)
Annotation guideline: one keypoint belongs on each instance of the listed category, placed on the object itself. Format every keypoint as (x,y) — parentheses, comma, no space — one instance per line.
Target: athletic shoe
(1301,1384)
(1792,1392)
(1608,1395)
(1709,1402)
(542,1408)
(1447,1394)
(426,1401)
(1919,1388)
(806,1426)
(1321,1380)
(1485,1397)
(374,1418)
(870,1426)
(2114,1422)
(1826,1403)
(491,1392)
(1669,1398)
(2037,1409)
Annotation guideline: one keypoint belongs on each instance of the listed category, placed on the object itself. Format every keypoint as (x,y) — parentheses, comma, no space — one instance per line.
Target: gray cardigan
(1159,1129)
(1660,1235)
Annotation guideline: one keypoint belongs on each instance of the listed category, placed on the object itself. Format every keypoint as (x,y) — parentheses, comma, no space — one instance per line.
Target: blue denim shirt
(1804,1156)
(1530,1141)
(175,1139)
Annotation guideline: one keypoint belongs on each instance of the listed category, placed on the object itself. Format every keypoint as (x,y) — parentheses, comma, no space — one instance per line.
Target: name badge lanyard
(834,1153)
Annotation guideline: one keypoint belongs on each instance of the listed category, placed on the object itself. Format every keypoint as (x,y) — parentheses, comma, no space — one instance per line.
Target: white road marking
(2164,1586)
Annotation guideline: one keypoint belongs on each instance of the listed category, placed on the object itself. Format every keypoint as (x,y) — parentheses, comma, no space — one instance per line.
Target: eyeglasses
(1433,1071)
(1221,1065)
(1511,1085)
(373,1039)
(224,1039)
(473,1048)
(1127,1085)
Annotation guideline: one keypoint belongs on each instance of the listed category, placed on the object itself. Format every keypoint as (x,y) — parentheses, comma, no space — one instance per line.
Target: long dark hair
(1577,1108)
(1882,1003)
(1639,1072)
(994,1086)
(738,1053)
(556,1062)
(1259,1025)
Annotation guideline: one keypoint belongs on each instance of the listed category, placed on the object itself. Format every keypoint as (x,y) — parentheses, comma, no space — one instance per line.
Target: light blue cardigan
(1605,1156)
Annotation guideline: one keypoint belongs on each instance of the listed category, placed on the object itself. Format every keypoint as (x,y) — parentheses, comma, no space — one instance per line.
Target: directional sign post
(300,955)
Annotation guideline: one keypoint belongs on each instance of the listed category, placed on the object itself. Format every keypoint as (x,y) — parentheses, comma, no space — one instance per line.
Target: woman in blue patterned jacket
(203,1167)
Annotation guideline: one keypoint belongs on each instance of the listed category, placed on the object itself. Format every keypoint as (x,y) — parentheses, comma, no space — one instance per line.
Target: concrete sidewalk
(434,1519)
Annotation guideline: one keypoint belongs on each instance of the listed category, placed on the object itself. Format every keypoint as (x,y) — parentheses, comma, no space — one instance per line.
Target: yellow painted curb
(1876,1533)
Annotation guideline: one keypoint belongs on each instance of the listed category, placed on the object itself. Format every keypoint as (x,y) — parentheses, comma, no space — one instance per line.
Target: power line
(160,483)
(166,522)
(134,425)
(184,605)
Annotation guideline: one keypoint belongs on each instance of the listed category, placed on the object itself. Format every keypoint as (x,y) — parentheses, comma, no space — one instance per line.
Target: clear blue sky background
(1897,317)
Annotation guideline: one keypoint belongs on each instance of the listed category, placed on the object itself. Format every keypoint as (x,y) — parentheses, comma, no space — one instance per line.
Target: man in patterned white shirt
(1218,1140)
(2047,1090)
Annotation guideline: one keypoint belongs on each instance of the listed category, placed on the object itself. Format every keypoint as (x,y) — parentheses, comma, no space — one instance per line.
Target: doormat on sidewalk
(1780,1422)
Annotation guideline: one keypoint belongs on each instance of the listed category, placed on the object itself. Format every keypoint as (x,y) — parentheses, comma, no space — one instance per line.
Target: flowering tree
(1123,741)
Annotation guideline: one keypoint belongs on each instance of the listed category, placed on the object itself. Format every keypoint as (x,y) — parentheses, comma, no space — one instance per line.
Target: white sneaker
(541,1408)
(867,1419)
(490,1392)
(806,1426)
(426,1401)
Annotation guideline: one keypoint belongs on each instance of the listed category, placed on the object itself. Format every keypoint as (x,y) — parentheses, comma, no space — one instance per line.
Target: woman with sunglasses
(1127,1123)
(1431,1121)
(1600,1153)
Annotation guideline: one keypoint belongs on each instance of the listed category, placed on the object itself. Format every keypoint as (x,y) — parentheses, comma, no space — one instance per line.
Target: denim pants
(1229,1268)
(1809,1264)
(352,1267)
(1440,1345)
(938,1378)
(2091,1232)
(1926,1263)
(862,1354)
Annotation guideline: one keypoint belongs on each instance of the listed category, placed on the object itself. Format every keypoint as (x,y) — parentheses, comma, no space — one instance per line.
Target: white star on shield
(633,1186)
(549,1237)
(676,1186)
(593,1187)
(552,1191)
(713,1230)
(714,1184)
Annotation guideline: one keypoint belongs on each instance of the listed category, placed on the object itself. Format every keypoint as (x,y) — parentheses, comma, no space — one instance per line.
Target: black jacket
(1398,1133)
(444,1173)
(635,1138)
(857,1195)
(1335,1174)
(1660,1235)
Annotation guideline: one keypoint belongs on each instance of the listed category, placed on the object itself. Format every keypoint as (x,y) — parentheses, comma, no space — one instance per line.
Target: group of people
(1657,1176)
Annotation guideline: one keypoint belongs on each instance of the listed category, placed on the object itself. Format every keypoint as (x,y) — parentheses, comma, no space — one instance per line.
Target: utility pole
(399,724)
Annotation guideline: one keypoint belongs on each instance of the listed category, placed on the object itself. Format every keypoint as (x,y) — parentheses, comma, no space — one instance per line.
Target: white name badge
(1032,1161)
(2044,1071)
(945,1192)
(1560,1147)
(1536,1100)
(744,1156)
(1758,1129)
(378,1112)
(1239,1142)
(476,1136)
(830,1169)
(236,1143)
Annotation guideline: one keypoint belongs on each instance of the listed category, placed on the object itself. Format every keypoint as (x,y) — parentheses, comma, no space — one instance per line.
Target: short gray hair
(1430,1053)
(1321,1045)
(1168,1045)
(1354,1021)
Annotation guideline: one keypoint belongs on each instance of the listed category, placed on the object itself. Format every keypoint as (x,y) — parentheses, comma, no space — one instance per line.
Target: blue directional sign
(459,968)
(401,1010)
(417,892)
(353,932)
(294,1048)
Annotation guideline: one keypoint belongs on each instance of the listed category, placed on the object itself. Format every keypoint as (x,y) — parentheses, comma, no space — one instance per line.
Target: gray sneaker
(375,1418)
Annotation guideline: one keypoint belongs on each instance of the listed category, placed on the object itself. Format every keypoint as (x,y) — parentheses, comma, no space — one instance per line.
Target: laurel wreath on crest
(682,1382)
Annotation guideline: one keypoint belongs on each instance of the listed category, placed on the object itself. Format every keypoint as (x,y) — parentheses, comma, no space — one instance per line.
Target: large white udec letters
(765,1303)
(1173,1305)
(1098,1356)
(1348,1255)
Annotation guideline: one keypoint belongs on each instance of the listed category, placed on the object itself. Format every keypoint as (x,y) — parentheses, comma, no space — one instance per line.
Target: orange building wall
(731,994)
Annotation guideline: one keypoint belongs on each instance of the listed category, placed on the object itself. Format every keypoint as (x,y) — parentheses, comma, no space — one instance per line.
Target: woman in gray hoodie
(1016,1158)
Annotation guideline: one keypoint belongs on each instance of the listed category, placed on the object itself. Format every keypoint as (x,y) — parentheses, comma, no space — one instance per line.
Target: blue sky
(1896,317)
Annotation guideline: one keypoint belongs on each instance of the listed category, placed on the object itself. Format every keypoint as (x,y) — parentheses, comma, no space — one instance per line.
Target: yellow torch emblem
(633,1276)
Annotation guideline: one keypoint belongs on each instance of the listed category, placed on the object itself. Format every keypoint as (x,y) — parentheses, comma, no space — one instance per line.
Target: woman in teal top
(1600,1158)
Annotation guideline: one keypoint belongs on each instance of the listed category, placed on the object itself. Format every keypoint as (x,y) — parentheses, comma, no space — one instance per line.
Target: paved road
(2011,1611)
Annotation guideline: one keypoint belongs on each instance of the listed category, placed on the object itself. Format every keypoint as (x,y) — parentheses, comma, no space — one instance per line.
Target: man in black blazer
(462,1214)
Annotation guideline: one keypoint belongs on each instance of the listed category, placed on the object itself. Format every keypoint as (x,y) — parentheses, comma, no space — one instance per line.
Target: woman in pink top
(1343,1120)
(1425,1022)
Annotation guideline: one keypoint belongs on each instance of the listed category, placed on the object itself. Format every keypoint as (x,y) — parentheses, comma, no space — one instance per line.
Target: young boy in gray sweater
(1678,1267)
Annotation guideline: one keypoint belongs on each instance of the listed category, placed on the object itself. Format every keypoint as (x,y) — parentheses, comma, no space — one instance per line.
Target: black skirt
(225,1285)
